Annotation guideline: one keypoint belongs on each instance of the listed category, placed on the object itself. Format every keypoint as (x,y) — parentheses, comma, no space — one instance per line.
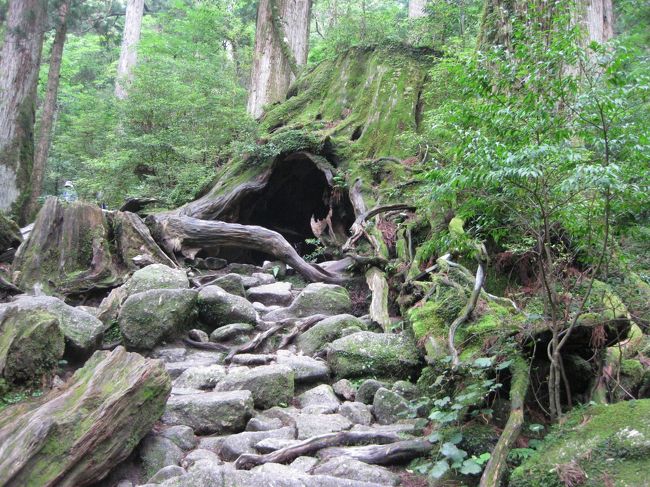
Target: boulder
(200,455)
(349,468)
(166,473)
(232,283)
(603,445)
(31,344)
(200,377)
(316,298)
(258,279)
(75,435)
(389,407)
(182,436)
(9,234)
(156,276)
(367,390)
(356,412)
(263,423)
(305,369)
(326,331)
(219,308)
(83,332)
(210,412)
(157,452)
(198,336)
(344,389)
(320,399)
(373,354)
(148,318)
(230,332)
(245,442)
(309,425)
(270,385)
(278,293)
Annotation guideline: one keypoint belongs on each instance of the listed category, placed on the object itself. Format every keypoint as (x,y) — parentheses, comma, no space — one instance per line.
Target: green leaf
(452,452)
(483,362)
(470,467)
(439,469)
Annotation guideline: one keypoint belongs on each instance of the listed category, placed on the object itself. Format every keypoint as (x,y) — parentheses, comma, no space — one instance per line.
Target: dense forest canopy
(429,219)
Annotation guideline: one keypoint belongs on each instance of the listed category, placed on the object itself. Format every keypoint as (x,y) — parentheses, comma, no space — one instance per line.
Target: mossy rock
(318,298)
(31,344)
(219,308)
(10,236)
(326,331)
(156,276)
(78,433)
(148,318)
(367,354)
(83,332)
(270,385)
(603,444)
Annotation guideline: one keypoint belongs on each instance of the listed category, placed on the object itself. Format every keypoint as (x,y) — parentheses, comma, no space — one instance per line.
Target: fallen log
(214,347)
(187,236)
(398,452)
(247,461)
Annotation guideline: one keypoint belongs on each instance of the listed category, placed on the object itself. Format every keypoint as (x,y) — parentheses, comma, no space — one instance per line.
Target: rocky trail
(273,383)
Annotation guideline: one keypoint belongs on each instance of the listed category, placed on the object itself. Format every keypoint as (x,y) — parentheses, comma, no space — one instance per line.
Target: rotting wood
(314,444)
(214,347)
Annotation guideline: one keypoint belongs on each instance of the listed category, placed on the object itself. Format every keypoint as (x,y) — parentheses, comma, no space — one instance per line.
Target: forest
(331,243)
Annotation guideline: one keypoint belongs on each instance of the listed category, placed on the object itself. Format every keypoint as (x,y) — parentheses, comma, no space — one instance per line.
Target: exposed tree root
(311,445)
(497,464)
(215,347)
(187,236)
(469,307)
(397,452)
(300,328)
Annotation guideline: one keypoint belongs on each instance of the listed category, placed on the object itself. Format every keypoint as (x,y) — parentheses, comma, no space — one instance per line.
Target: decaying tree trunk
(49,107)
(78,248)
(19,63)
(417,9)
(281,45)
(128,52)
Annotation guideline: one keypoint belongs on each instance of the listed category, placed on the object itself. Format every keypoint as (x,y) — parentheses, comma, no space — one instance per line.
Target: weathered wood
(379,303)
(215,347)
(186,236)
(311,445)
(400,451)
(135,205)
(259,339)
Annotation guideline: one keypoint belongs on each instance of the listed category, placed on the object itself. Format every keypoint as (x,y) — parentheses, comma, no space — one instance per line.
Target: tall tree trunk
(49,107)
(19,62)
(129,52)
(599,20)
(595,16)
(417,9)
(281,46)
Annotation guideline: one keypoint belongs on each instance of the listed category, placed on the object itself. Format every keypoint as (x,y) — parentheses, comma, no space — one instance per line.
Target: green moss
(606,441)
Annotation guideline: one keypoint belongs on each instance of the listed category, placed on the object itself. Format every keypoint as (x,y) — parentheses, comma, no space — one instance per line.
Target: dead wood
(392,453)
(187,236)
(311,445)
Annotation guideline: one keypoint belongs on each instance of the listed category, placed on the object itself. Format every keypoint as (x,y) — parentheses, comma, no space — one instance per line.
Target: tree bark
(598,18)
(49,108)
(19,63)
(417,9)
(281,46)
(129,53)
